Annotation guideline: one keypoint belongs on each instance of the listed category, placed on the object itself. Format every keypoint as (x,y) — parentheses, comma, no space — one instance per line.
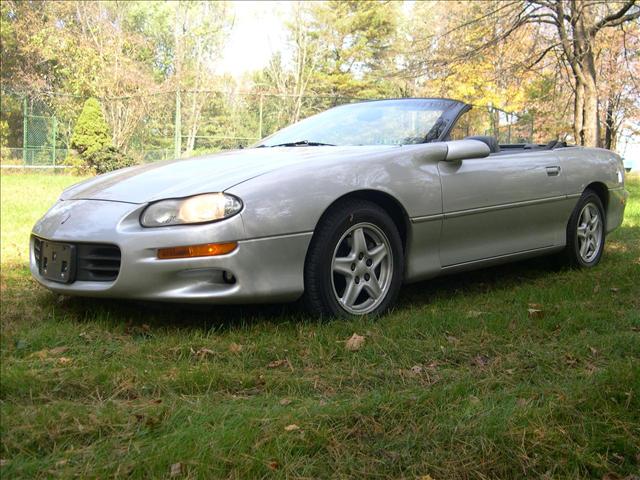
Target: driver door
(503,204)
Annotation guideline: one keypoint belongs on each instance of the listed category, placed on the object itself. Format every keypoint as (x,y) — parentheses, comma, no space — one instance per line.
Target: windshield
(384,122)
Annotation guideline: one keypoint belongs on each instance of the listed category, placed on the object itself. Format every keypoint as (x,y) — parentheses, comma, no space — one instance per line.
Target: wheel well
(602,191)
(390,205)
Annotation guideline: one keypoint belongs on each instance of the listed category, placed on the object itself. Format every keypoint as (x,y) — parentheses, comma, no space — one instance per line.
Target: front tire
(586,232)
(355,262)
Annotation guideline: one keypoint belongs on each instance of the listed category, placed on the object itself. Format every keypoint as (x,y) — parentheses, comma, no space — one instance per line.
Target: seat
(491,142)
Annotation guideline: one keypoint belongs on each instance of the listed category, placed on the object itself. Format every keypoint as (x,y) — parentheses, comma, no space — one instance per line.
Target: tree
(578,24)
(91,133)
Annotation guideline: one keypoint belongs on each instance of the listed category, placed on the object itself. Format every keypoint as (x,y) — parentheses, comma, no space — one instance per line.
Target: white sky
(258,32)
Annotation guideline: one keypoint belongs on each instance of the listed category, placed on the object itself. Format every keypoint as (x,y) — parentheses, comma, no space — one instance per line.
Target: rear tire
(355,262)
(586,232)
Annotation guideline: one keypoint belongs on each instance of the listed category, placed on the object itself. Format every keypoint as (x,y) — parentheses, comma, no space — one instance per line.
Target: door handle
(553,171)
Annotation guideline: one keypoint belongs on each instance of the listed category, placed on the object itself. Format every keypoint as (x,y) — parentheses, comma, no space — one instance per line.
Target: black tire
(319,298)
(571,255)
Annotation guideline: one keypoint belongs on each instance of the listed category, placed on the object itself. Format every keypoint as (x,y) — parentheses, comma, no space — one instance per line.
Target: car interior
(497,148)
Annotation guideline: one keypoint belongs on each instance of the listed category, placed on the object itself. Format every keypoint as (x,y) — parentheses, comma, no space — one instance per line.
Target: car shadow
(149,315)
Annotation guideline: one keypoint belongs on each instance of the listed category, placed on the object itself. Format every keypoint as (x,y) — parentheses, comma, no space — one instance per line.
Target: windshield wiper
(300,143)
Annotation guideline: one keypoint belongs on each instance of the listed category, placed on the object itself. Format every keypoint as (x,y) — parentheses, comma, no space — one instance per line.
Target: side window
(505,127)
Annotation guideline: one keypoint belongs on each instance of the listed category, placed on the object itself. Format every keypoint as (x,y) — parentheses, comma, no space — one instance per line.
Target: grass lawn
(460,381)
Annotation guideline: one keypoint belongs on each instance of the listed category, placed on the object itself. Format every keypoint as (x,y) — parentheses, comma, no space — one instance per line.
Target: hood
(210,173)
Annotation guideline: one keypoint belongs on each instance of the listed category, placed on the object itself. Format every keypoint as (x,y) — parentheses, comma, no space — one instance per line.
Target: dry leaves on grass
(452,340)
(354,343)
(46,354)
(285,401)
(176,470)
(291,428)
(202,352)
(535,312)
(481,360)
(235,348)
(277,363)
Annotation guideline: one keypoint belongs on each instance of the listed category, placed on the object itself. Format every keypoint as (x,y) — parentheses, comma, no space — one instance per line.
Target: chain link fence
(36,132)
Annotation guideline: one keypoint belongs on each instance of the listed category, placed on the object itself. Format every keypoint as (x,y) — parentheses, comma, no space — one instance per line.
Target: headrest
(491,142)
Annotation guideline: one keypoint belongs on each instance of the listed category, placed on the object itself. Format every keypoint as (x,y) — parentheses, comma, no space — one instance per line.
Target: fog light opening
(228,277)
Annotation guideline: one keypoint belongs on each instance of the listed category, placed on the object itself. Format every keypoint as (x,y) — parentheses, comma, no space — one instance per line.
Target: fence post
(531,132)
(177,138)
(53,140)
(24,130)
(260,118)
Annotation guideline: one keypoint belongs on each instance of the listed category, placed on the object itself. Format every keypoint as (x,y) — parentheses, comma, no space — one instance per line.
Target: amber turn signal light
(205,250)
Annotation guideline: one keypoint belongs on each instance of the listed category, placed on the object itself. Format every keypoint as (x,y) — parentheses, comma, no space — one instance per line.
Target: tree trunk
(590,119)
(578,112)
(608,123)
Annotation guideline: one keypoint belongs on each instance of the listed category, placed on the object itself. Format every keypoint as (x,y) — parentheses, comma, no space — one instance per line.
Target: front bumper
(267,269)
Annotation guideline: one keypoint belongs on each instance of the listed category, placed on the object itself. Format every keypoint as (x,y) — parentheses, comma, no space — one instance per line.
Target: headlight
(198,209)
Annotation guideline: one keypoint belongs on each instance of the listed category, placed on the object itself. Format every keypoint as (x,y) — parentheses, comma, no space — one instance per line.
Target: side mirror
(465,149)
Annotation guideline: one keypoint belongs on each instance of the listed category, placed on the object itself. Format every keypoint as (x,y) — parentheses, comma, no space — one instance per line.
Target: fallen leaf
(285,401)
(480,360)
(535,313)
(453,340)
(203,352)
(354,343)
(433,365)
(570,359)
(474,400)
(291,428)
(537,306)
(176,469)
(235,348)
(64,360)
(594,352)
(416,369)
(611,476)
(273,465)
(46,353)
(276,363)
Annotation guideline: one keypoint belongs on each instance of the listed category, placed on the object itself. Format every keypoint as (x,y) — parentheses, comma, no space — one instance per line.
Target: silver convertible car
(340,209)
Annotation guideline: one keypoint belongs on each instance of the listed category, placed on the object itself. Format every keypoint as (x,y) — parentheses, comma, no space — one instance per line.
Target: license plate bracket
(58,262)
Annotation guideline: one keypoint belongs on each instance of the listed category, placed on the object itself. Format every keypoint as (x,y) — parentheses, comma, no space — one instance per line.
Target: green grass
(458,382)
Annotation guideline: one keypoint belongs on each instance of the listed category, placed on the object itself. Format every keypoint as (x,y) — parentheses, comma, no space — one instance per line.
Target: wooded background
(569,69)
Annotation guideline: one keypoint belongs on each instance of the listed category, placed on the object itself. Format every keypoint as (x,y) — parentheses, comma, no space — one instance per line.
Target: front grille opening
(98,263)
(37,250)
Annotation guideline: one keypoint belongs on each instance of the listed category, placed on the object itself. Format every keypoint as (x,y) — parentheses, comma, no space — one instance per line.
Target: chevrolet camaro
(339,209)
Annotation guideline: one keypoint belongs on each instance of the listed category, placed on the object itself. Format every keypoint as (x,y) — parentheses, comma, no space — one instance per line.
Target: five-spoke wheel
(589,232)
(362,268)
(355,261)
(586,231)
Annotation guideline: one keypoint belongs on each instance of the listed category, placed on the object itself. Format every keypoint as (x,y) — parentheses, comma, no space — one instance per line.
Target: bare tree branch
(616,18)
